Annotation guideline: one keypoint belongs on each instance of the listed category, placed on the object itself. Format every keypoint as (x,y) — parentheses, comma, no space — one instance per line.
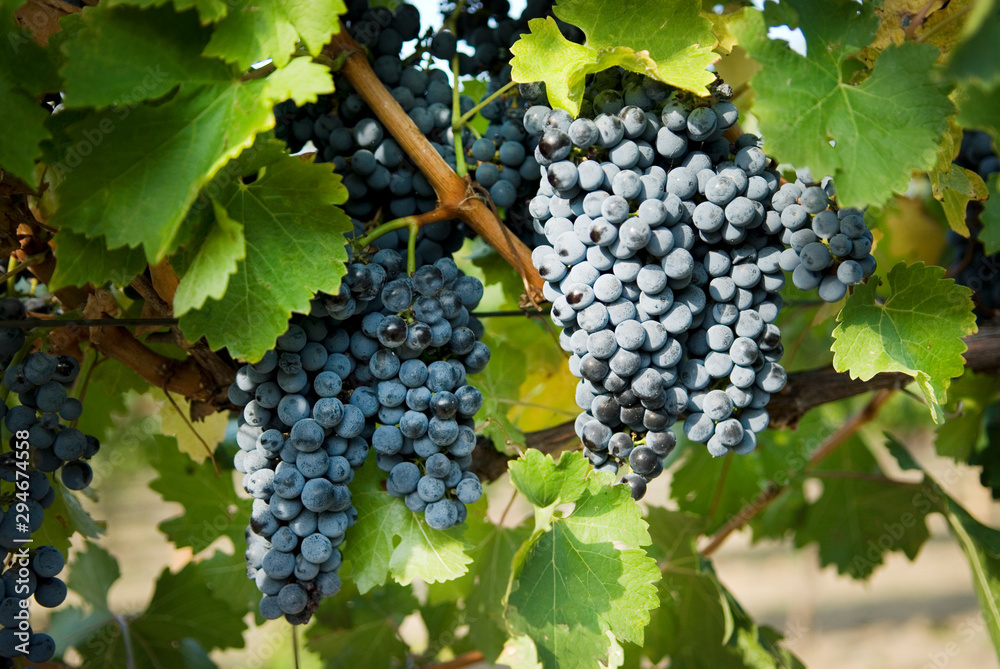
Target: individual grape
(701,123)
(814,200)
(832,289)
(483,149)
(850,272)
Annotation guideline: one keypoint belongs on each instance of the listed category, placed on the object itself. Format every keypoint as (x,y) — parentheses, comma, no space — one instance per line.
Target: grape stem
(12,266)
(411,249)
(456,123)
(469,115)
(451,22)
(412,222)
(452,190)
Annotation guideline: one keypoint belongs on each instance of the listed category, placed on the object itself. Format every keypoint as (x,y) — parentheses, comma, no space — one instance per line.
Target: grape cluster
(662,268)
(383,183)
(385,370)
(424,410)
(41,382)
(299,447)
(828,249)
(971,266)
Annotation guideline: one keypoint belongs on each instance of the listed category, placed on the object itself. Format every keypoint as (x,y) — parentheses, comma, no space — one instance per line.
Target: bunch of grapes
(662,263)
(972,267)
(39,443)
(389,374)
(828,249)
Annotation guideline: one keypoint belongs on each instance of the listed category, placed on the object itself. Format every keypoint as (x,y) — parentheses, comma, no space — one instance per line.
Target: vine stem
(418,221)
(456,122)
(9,276)
(411,249)
(19,266)
(469,115)
(452,190)
(773,489)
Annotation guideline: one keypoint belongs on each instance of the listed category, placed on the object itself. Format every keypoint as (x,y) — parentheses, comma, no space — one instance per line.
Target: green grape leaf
(858,518)
(571,584)
(481,589)
(272,28)
(216,260)
(868,136)
(350,628)
(390,541)
(714,488)
(26,72)
(990,218)
(91,576)
(970,396)
(109,386)
(667,40)
(80,261)
(140,173)
(294,248)
(209,11)
(121,56)
(226,577)
(967,60)
(169,633)
(500,384)
(211,506)
(979,109)
(491,567)
(545,482)
(955,189)
(918,330)
(697,625)
(65,518)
